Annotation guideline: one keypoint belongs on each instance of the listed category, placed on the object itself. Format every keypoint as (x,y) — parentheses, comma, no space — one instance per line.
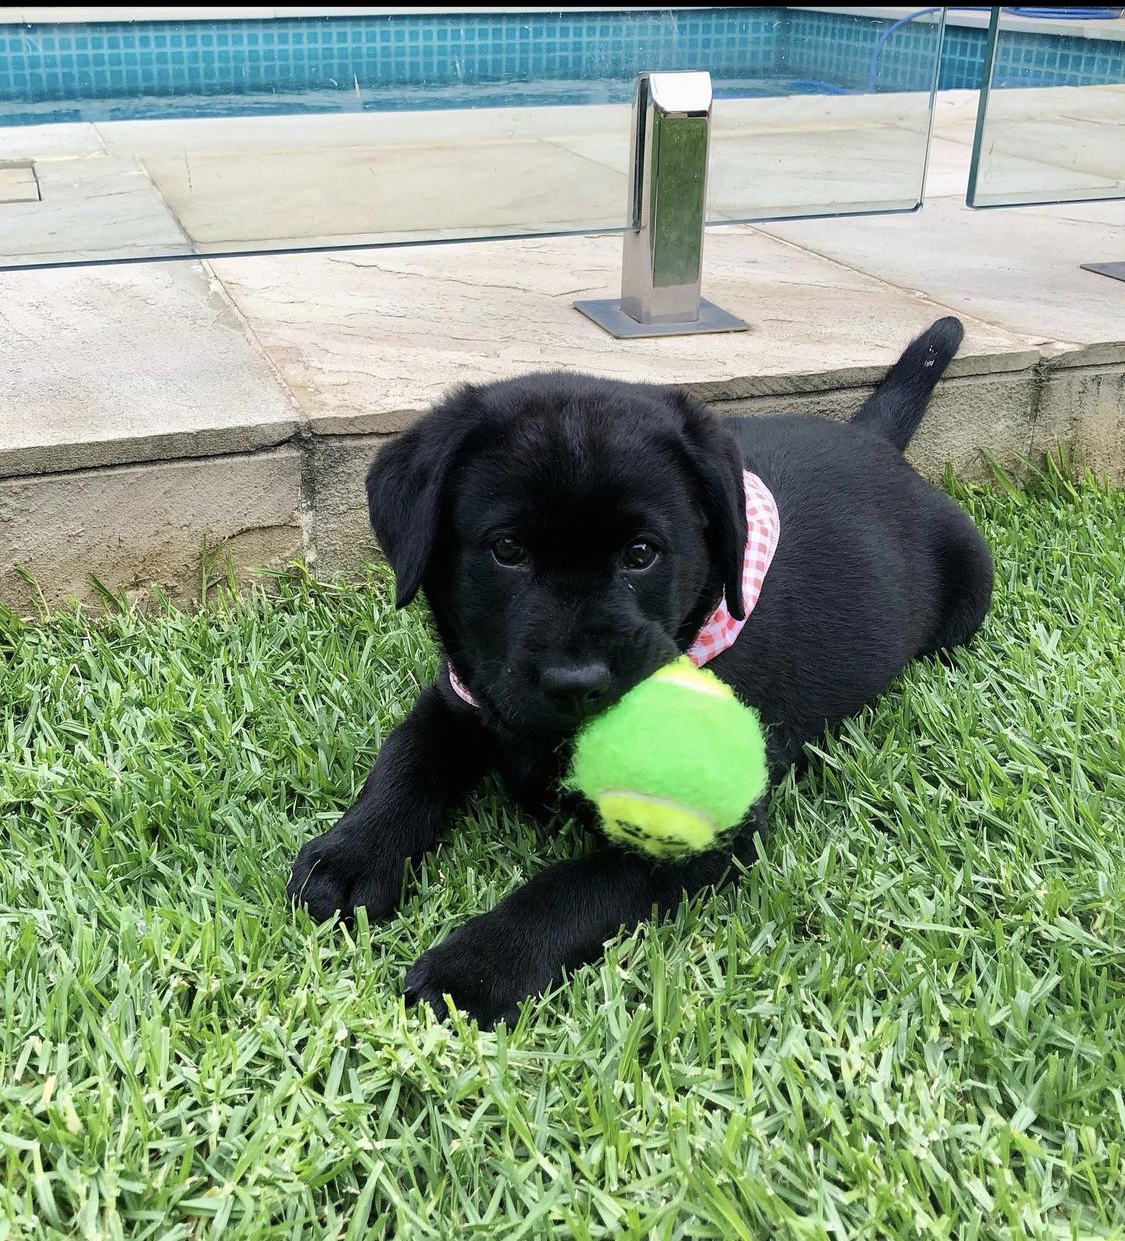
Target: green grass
(909,1021)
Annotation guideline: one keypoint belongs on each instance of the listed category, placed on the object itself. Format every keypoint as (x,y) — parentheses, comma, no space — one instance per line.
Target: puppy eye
(639,555)
(509,552)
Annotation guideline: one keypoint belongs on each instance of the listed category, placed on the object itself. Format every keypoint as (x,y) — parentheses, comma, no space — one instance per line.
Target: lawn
(908,1021)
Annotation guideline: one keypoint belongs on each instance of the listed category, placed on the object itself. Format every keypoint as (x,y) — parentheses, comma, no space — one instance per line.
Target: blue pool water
(122,71)
(382,99)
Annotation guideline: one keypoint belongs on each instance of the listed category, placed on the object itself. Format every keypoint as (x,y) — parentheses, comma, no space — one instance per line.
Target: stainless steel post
(662,261)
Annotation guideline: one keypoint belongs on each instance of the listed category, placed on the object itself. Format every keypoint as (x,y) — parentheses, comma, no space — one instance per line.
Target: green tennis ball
(672,766)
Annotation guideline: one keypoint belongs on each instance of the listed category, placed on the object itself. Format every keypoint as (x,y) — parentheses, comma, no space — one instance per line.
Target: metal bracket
(662,258)
(1116,270)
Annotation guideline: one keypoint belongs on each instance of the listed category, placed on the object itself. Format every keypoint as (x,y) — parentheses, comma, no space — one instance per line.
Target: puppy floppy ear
(717,465)
(405,486)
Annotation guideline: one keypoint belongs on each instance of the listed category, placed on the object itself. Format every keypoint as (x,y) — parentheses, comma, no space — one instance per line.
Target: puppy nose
(576,689)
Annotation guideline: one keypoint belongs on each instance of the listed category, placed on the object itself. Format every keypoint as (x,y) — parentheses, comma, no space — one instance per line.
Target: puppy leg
(559,920)
(424,767)
(966,574)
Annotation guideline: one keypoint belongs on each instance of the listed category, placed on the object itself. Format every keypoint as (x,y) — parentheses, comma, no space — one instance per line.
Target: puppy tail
(896,407)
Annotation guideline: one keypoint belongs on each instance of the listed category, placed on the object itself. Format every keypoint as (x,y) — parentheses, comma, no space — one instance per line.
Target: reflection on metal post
(662,263)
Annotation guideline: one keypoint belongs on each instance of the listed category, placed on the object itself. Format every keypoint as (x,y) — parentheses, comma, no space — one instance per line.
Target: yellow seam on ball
(649,799)
(699,682)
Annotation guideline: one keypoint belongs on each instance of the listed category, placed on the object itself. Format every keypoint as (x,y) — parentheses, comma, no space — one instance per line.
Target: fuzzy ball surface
(674,765)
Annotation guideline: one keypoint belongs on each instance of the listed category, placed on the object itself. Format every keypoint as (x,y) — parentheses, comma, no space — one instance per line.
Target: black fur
(874,567)
(896,407)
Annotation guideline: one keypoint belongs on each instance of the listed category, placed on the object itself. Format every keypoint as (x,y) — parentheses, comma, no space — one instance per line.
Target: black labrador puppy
(572,535)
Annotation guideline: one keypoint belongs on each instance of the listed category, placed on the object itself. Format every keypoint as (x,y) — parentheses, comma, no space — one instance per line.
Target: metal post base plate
(1116,270)
(609,315)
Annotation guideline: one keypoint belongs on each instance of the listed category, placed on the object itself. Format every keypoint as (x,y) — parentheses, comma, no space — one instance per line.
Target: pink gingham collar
(720,629)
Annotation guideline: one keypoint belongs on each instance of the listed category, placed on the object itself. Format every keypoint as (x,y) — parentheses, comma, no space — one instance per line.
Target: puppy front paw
(333,877)
(485,968)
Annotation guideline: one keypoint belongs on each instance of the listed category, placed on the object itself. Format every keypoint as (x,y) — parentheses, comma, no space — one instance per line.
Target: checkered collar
(720,629)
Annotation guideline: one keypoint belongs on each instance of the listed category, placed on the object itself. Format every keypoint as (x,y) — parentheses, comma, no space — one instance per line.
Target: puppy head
(570,534)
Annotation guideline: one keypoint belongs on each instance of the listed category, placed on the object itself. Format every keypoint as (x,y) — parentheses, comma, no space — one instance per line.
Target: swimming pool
(381,99)
(395,61)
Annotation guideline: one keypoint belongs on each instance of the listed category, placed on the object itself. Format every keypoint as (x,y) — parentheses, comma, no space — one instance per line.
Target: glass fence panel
(200,135)
(841,126)
(1051,120)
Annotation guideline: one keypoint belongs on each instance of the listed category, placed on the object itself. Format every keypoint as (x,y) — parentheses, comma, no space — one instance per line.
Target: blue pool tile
(448,51)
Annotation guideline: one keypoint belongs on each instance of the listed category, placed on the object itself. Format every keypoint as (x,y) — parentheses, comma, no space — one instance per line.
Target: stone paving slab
(66,140)
(17,182)
(109,365)
(276,197)
(1018,268)
(364,339)
(86,207)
